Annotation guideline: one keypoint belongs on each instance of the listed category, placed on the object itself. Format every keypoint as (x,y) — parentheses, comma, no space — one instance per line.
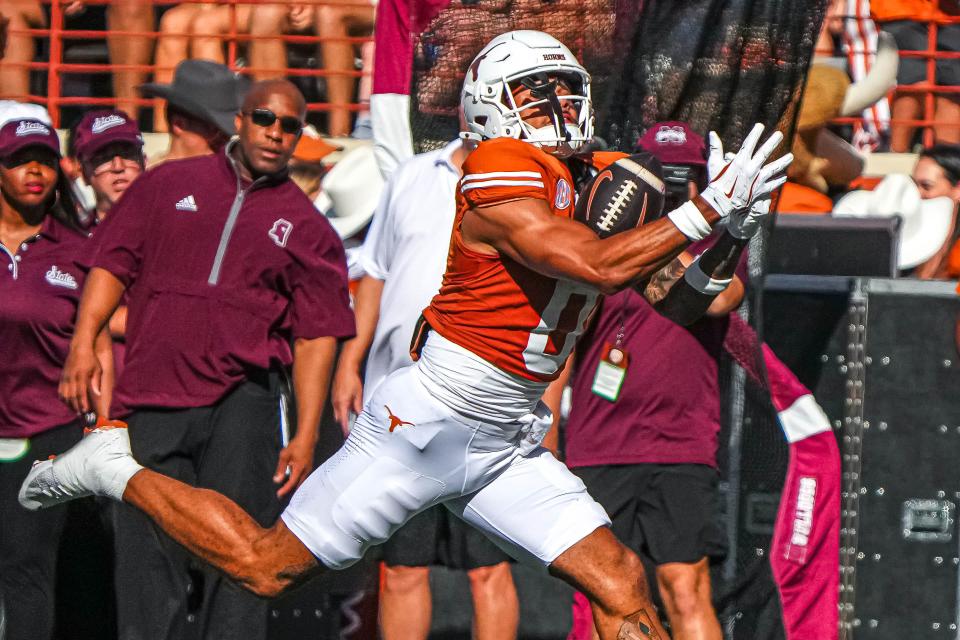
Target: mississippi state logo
(671,135)
(103,123)
(562,201)
(59,278)
(280,232)
(28,128)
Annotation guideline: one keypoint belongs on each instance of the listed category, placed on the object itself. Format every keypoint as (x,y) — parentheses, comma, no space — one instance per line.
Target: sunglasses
(266,118)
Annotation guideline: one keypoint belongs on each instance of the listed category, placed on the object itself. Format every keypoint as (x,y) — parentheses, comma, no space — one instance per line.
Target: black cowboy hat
(204,89)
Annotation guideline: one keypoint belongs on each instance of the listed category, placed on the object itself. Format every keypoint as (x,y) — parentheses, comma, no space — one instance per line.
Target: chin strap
(542,88)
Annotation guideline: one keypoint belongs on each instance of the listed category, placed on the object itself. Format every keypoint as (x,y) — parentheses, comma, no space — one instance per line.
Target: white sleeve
(376,254)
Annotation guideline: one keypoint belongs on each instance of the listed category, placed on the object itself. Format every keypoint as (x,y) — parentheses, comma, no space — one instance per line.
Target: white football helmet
(530,57)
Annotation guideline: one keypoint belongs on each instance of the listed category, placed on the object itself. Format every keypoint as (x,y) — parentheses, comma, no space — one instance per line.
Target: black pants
(163,593)
(29,541)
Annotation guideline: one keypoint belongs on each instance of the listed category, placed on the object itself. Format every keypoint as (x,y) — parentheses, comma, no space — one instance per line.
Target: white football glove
(736,184)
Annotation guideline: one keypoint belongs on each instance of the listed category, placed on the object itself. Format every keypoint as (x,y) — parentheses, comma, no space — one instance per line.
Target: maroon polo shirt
(227,275)
(668,411)
(39,293)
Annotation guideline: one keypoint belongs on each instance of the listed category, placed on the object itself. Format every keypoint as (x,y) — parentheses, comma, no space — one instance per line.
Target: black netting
(717,64)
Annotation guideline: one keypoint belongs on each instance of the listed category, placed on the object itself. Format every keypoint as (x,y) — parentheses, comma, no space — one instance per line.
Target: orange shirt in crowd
(797,198)
(917,10)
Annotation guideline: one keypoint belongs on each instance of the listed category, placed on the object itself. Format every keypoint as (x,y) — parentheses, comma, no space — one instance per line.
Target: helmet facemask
(560,137)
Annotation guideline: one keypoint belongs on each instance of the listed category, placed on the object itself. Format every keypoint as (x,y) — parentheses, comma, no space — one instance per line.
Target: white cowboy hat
(350,191)
(926,223)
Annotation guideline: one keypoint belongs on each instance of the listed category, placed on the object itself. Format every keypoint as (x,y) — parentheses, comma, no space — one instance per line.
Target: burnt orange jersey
(519,320)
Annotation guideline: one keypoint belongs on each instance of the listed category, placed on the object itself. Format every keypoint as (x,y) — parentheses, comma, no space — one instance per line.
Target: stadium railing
(56,69)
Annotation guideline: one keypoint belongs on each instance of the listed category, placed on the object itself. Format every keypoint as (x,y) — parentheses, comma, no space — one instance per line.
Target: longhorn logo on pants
(395,421)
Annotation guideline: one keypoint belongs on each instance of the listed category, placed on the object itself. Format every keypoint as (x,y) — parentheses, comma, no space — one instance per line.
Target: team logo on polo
(280,232)
(27,128)
(103,123)
(562,201)
(60,278)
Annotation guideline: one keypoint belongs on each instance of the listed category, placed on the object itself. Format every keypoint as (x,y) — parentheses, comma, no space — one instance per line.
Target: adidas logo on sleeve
(187,204)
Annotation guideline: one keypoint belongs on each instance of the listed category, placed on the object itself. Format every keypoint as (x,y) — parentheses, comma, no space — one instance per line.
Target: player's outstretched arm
(216,530)
(526,231)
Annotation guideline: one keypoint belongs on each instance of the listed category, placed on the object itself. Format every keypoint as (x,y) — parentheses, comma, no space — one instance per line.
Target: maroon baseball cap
(19,134)
(674,143)
(97,129)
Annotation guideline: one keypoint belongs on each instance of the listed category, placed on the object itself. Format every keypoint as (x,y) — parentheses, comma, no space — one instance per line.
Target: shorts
(408,452)
(666,512)
(913,36)
(436,537)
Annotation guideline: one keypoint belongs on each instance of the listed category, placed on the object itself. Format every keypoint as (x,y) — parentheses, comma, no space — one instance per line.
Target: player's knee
(400,579)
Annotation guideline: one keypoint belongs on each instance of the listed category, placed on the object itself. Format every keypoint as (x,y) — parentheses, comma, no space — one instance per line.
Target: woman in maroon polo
(43,245)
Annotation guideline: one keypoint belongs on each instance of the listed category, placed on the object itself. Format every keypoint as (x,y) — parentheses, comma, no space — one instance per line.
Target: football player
(462,427)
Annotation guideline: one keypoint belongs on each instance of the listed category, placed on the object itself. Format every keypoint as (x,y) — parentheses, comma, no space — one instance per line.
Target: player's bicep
(526,231)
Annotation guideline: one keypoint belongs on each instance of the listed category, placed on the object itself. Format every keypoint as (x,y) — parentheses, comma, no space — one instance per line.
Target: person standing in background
(646,448)
(109,149)
(44,248)
(202,104)
(234,281)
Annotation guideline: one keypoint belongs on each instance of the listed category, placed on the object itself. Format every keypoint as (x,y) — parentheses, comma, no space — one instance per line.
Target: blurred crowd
(145,38)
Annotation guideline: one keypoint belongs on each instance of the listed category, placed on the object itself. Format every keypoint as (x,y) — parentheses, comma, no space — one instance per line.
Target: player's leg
(207,524)
(679,516)
(540,512)
(405,603)
(615,488)
(611,576)
(213,528)
(395,463)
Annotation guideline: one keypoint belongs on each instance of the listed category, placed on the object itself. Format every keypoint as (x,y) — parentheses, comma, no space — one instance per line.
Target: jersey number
(561,322)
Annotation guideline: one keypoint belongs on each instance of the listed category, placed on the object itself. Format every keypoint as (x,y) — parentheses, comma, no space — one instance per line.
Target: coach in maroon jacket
(235,278)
